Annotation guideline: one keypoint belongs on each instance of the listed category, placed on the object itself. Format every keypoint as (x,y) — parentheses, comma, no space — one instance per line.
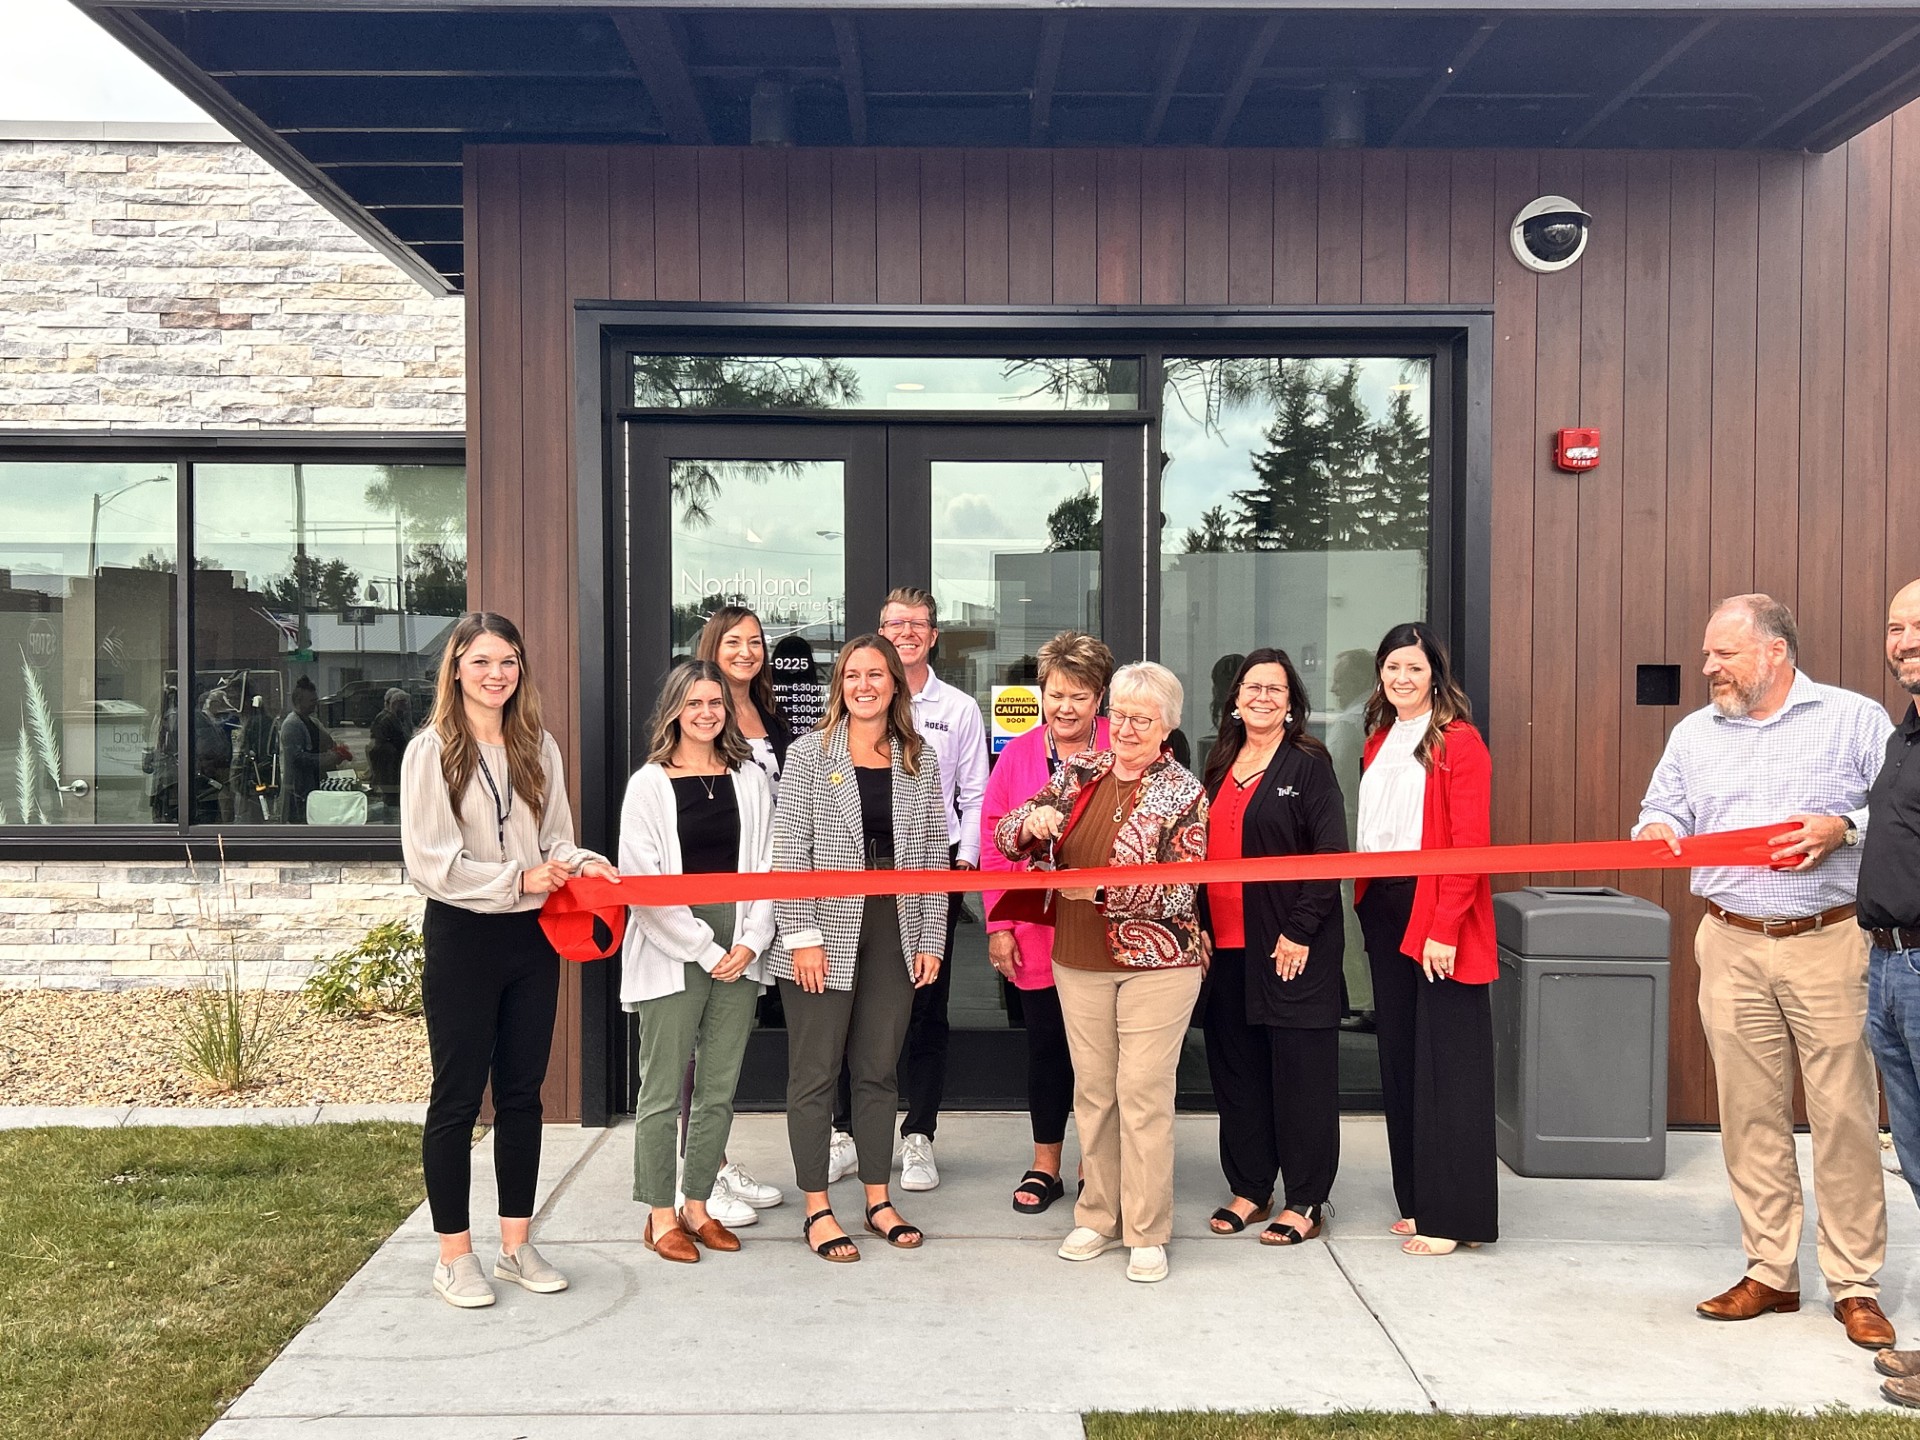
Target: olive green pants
(714,1020)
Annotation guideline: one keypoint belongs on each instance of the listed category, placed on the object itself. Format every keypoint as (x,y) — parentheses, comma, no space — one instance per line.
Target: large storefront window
(871,382)
(87,679)
(323,594)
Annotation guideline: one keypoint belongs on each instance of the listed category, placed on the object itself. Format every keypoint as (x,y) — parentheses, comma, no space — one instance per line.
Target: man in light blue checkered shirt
(1783,967)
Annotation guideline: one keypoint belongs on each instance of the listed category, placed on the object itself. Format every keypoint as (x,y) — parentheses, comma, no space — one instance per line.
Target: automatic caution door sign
(1016,710)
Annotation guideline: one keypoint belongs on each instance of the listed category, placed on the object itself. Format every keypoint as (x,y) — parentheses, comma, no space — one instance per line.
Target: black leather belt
(1898,938)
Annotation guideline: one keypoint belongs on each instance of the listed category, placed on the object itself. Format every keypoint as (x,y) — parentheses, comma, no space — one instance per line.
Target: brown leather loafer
(1900,1364)
(1867,1324)
(1747,1299)
(674,1245)
(713,1234)
(1903,1391)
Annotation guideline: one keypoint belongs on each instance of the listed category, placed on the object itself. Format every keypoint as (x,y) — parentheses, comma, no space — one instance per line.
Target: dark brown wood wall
(1739,329)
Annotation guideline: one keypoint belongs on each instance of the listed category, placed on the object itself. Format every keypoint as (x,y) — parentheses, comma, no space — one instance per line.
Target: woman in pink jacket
(1074,671)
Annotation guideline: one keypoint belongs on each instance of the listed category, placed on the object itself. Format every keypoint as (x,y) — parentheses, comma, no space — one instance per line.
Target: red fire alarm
(1576,449)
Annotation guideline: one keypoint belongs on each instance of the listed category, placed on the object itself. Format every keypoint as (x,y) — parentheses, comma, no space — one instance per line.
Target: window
(868,382)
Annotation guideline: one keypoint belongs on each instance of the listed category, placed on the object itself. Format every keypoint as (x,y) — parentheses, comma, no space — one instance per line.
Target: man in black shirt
(1889,911)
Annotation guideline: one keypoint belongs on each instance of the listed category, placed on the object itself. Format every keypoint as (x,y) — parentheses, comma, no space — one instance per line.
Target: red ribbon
(570,912)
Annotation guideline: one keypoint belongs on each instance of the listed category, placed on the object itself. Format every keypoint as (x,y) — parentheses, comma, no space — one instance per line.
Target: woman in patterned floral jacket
(1127,960)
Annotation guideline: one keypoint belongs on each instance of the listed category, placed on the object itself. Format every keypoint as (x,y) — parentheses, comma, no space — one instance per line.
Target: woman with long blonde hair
(860,792)
(487,835)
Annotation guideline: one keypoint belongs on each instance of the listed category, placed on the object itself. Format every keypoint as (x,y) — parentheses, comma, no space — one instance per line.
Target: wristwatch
(1099,897)
(1852,835)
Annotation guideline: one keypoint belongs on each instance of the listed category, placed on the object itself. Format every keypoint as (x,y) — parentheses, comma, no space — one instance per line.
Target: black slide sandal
(1042,1187)
(1234,1221)
(840,1250)
(902,1236)
(1278,1234)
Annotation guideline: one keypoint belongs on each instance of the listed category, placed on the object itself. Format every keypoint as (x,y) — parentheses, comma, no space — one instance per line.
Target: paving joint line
(565,1183)
(1433,1402)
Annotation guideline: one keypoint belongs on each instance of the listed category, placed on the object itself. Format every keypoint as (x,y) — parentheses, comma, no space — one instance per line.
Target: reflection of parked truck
(358,701)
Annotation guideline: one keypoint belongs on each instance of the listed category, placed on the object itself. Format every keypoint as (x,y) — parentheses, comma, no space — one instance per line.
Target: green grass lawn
(147,1276)
(1358,1425)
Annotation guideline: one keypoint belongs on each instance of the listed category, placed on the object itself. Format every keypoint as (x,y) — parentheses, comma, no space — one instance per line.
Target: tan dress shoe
(1900,1364)
(713,1234)
(1867,1324)
(1747,1299)
(1903,1391)
(674,1244)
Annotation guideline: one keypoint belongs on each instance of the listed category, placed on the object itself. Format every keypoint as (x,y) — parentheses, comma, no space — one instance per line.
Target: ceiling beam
(1046,70)
(846,40)
(1172,66)
(1882,102)
(1482,33)
(1250,63)
(1780,121)
(662,63)
(1640,82)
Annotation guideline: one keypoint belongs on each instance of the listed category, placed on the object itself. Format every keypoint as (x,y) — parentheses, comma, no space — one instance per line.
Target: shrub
(379,976)
(227,1031)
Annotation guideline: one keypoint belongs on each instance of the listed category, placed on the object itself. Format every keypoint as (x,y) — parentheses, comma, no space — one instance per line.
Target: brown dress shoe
(674,1244)
(1867,1324)
(1747,1299)
(1900,1364)
(713,1234)
(1903,1391)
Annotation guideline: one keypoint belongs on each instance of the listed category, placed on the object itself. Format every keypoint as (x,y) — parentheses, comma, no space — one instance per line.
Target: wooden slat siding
(1863,578)
(1163,227)
(1776,385)
(943,227)
(856,258)
(810,226)
(1558,543)
(1903,361)
(1476,233)
(763,209)
(472,221)
(1515,444)
(1249,227)
(1117,228)
(986,226)
(1208,227)
(1383,227)
(1736,247)
(1030,228)
(1074,227)
(1429,243)
(676,224)
(1599,667)
(896,223)
(1823,380)
(494,461)
(629,226)
(723,254)
(1339,233)
(1296,227)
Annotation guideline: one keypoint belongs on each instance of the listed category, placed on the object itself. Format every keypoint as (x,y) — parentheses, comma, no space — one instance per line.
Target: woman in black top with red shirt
(1271,1010)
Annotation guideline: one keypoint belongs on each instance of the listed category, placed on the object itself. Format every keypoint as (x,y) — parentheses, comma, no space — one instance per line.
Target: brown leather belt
(1781,929)
(1898,938)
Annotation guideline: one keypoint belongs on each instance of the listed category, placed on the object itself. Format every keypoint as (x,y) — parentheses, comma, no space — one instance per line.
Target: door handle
(75,788)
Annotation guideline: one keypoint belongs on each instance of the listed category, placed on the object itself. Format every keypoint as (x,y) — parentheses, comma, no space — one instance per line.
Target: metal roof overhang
(368,104)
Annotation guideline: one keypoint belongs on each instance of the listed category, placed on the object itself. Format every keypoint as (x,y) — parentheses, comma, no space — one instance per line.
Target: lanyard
(502,812)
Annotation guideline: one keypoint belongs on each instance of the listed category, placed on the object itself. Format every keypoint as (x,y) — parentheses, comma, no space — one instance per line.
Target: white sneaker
(728,1208)
(742,1186)
(463,1283)
(529,1269)
(1147,1264)
(917,1170)
(842,1158)
(1083,1243)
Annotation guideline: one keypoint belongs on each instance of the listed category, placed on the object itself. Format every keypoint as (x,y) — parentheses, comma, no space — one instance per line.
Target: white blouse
(769,763)
(1393,790)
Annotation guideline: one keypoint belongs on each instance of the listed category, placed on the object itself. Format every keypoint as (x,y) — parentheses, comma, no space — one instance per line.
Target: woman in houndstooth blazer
(861,792)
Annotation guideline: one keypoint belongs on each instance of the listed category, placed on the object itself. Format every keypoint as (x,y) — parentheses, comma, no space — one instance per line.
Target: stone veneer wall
(164,277)
(113,925)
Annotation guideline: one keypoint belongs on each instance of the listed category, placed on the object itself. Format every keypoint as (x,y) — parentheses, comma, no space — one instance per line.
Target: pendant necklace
(1126,798)
(707,783)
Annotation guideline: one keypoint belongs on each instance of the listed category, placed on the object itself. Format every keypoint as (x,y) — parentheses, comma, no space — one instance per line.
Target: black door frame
(1457,338)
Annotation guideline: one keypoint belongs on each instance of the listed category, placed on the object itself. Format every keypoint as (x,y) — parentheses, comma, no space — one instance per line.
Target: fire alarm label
(1576,449)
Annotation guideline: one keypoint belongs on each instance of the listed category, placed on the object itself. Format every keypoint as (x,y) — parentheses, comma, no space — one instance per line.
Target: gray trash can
(1580,1033)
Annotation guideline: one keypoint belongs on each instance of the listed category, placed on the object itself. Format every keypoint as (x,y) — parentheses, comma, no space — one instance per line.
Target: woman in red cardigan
(1428,785)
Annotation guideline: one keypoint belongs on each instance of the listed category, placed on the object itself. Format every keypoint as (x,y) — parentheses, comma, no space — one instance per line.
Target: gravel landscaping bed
(120,1047)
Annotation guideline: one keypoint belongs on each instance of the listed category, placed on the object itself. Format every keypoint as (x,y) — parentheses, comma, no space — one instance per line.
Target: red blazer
(1456,910)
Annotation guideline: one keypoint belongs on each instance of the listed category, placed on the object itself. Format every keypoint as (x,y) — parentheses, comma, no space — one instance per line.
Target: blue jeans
(1893,1029)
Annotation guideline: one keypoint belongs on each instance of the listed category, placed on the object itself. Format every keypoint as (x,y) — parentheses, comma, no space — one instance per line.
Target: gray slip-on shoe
(528,1269)
(463,1283)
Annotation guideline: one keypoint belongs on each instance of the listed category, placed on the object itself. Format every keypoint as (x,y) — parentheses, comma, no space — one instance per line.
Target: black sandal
(1278,1234)
(902,1236)
(840,1250)
(1234,1221)
(1042,1187)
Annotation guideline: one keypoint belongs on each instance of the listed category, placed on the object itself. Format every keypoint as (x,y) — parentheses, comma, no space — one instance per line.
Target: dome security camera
(1549,234)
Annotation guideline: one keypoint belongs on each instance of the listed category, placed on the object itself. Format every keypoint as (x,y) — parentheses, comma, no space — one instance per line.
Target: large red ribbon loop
(570,912)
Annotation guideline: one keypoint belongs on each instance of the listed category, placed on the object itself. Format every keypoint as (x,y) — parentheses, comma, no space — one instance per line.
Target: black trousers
(1436,1077)
(1049,1066)
(1278,1093)
(490,987)
(923,1058)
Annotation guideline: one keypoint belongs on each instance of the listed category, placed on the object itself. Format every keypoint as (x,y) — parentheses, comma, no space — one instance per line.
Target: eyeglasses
(1264,692)
(906,627)
(1118,721)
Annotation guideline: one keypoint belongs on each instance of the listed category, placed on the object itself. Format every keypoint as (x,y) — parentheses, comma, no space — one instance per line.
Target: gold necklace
(1126,791)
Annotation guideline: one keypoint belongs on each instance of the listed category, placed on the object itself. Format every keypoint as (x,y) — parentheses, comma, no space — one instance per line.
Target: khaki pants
(1762,1001)
(1124,1029)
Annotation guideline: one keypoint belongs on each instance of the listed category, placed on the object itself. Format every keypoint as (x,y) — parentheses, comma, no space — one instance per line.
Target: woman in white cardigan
(693,974)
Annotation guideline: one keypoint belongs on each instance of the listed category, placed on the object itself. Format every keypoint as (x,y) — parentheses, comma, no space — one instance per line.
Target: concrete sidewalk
(1587,1304)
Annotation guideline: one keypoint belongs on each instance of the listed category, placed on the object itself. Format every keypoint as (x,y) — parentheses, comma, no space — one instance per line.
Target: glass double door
(1019,530)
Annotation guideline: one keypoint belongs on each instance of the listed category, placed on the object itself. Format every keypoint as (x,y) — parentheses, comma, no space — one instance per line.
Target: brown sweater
(1080,933)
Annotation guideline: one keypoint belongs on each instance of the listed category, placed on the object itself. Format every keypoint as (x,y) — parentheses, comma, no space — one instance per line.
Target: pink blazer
(1019,774)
